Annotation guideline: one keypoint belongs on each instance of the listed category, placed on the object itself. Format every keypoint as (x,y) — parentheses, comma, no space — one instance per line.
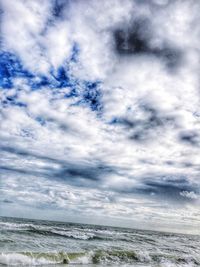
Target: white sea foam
(18,259)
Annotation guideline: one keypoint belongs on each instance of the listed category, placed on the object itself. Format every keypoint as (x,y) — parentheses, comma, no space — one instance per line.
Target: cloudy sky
(100,112)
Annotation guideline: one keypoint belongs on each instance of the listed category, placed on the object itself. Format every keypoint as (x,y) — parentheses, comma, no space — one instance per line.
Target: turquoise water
(44,243)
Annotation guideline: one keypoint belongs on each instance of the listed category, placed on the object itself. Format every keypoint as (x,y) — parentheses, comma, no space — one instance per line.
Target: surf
(98,257)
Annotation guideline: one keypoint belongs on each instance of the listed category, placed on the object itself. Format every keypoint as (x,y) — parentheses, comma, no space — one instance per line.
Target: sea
(25,242)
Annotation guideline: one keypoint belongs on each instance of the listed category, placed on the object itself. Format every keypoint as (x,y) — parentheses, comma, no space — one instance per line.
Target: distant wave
(116,257)
(66,234)
(62,232)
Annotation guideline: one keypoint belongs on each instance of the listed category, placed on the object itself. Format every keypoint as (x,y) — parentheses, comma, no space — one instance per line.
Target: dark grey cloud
(168,187)
(7,201)
(86,174)
(136,40)
(183,164)
(141,129)
(133,39)
(162,188)
(26,153)
(190,137)
(91,175)
(93,171)
(154,3)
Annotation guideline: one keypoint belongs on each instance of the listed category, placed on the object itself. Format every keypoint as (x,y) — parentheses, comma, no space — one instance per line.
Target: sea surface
(44,243)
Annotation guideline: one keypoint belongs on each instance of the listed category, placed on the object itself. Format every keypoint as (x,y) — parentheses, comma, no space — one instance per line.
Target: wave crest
(94,257)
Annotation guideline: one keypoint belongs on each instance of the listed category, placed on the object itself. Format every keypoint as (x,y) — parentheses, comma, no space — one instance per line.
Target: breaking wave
(100,257)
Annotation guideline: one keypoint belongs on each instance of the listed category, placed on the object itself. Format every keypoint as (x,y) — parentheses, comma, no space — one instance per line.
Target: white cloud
(22,25)
(57,44)
(144,139)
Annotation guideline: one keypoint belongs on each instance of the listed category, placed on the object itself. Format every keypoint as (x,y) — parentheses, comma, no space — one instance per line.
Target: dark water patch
(3,241)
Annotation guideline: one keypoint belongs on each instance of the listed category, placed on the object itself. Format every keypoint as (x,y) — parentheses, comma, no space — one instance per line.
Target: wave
(14,226)
(75,233)
(116,257)
(61,232)
(44,230)
(78,234)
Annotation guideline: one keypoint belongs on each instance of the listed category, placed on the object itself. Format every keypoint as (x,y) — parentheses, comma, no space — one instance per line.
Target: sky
(99,112)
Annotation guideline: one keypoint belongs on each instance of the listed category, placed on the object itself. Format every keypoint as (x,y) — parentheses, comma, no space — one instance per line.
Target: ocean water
(43,243)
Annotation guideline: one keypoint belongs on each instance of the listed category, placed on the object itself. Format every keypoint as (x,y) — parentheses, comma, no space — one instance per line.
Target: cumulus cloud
(99,110)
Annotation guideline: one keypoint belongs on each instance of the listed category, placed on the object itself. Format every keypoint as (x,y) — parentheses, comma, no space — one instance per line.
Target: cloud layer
(100,111)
